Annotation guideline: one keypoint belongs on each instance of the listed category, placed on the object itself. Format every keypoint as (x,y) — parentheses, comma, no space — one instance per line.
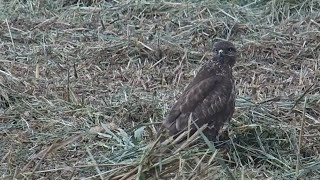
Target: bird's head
(225,52)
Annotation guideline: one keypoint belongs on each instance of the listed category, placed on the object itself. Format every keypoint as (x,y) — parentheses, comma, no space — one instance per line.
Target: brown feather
(209,98)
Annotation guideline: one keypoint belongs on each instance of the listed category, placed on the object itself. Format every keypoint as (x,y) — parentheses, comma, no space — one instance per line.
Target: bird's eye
(215,50)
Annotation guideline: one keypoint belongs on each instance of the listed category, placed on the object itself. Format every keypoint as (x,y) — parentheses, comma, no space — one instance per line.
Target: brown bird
(209,98)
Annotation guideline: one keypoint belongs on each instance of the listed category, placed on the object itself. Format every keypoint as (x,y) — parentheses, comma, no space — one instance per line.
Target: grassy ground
(82,87)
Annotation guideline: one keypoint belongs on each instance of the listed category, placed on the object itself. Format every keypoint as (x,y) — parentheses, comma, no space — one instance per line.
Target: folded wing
(204,99)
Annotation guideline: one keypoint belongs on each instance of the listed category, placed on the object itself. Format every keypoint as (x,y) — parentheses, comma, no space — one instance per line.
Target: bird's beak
(220,52)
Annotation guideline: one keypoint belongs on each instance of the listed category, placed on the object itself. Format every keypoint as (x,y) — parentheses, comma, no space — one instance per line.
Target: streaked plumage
(209,98)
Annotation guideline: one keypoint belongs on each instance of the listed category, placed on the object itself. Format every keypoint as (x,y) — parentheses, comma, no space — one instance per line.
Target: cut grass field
(83,87)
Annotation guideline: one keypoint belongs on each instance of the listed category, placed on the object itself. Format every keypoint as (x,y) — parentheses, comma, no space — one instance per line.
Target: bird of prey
(209,98)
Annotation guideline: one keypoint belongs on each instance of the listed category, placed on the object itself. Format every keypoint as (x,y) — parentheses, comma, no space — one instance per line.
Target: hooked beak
(220,52)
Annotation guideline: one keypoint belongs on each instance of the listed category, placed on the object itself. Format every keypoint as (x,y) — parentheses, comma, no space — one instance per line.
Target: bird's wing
(207,94)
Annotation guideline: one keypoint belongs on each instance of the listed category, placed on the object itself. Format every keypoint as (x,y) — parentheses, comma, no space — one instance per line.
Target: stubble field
(84,85)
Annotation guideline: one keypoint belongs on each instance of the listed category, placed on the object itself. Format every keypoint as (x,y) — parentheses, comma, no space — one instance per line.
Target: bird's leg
(211,134)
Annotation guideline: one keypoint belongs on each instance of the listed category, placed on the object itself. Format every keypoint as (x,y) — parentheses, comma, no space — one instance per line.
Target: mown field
(85,84)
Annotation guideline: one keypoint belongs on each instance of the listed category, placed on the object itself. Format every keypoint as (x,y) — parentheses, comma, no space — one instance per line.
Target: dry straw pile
(84,84)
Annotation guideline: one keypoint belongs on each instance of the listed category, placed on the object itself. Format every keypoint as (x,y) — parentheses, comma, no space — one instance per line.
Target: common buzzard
(209,98)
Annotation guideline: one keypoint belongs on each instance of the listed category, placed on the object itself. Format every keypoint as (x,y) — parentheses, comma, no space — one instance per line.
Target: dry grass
(82,88)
